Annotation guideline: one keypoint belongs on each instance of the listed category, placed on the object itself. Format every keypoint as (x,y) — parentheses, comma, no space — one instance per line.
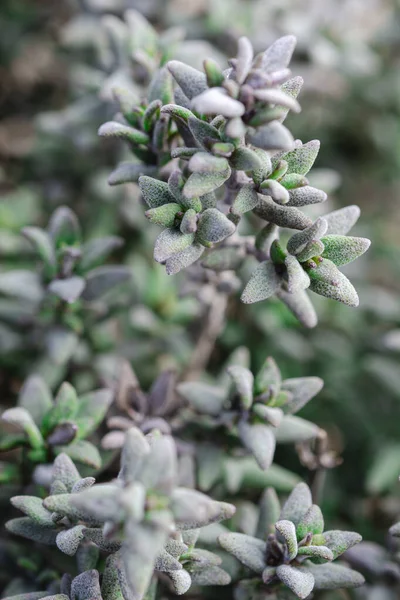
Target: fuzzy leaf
(341,221)
(260,440)
(83,452)
(183,259)
(69,289)
(102,279)
(248,550)
(164,215)
(213,71)
(65,471)
(321,553)
(95,535)
(35,397)
(213,227)
(294,429)
(287,531)
(277,97)
(86,586)
(33,508)
(310,250)
(110,588)
(202,162)
(340,541)
(170,242)
(311,522)
(191,81)
(278,55)
(341,249)
(297,504)
(284,216)
(189,221)
(25,527)
(64,227)
(301,159)
(42,242)
(92,408)
(302,389)
(327,280)
(224,259)
(204,133)
(297,278)
(334,577)
(113,129)
(269,414)
(275,190)
(215,101)
(21,418)
(269,513)
(268,378)
(64,409)
(203,397)
(263,283)
(68,541)
(159,467)
(303,196)
(161,87)
(127,172)
(155,193)
(193,509)
(301,307)
(181,581)
(212,575)
(243,381)
(273,136)
(246,199)
(244,59)
(136,448)
(301,582)
(201,183)
(299,240)
(246,159)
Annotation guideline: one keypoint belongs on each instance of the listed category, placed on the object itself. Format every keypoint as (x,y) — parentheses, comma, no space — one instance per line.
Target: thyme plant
(155,509)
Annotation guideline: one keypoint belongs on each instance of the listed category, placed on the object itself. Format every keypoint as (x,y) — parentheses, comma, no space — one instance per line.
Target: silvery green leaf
(287,532)
(297,278)
(243,380)
(189,221)
(102,279)
(143,542)
(245,474)
(294,429)
(212,575)
(301,307)
(201,558)
(86,586)
(95,535)
(64,227)
(284,216)
(65,471)
(35,397)
(213,71)
(213,227)
(36,596)
(292,181)
(113,129)
(92,408)
(33,508)
(21,283)
(299,240)
(62,504)
(275,190)
(193,509)
(180,114)
(261,173)
(246,199)
(95,251)
(69,289)
(340,541)
(110,587)
(192,81)
(170,242)
(270,414)
(269,513)
(268,378)
(183,152)
(301,582)
(42,243)
(260,440)
(100,501)
(310,250)
(321,553)
(64,408)
(244,59)
(250,551)
(327,280)
(215,101)
(224,259)
(293,86)
(161,87)
(311,522)
(301,159)
(277,97)
(151,114)
(22,419)
(246,159)
(155,193)
(203,162)
(181,581)
(341,221)
(83,452)
(203,397)
(136,448)
(297,504)
(68,540)
(263,283)
(176,547)
(164,215)
(25,527)
(83,484)
(127,172)
(334,577)
(183,259)
(201,183)
(273,136)
(341,249)
(159,468)
(165,562)
(302,389)
(303,196)
(278,55)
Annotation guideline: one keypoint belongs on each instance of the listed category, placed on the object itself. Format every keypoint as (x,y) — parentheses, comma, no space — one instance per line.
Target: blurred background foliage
(57,67)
